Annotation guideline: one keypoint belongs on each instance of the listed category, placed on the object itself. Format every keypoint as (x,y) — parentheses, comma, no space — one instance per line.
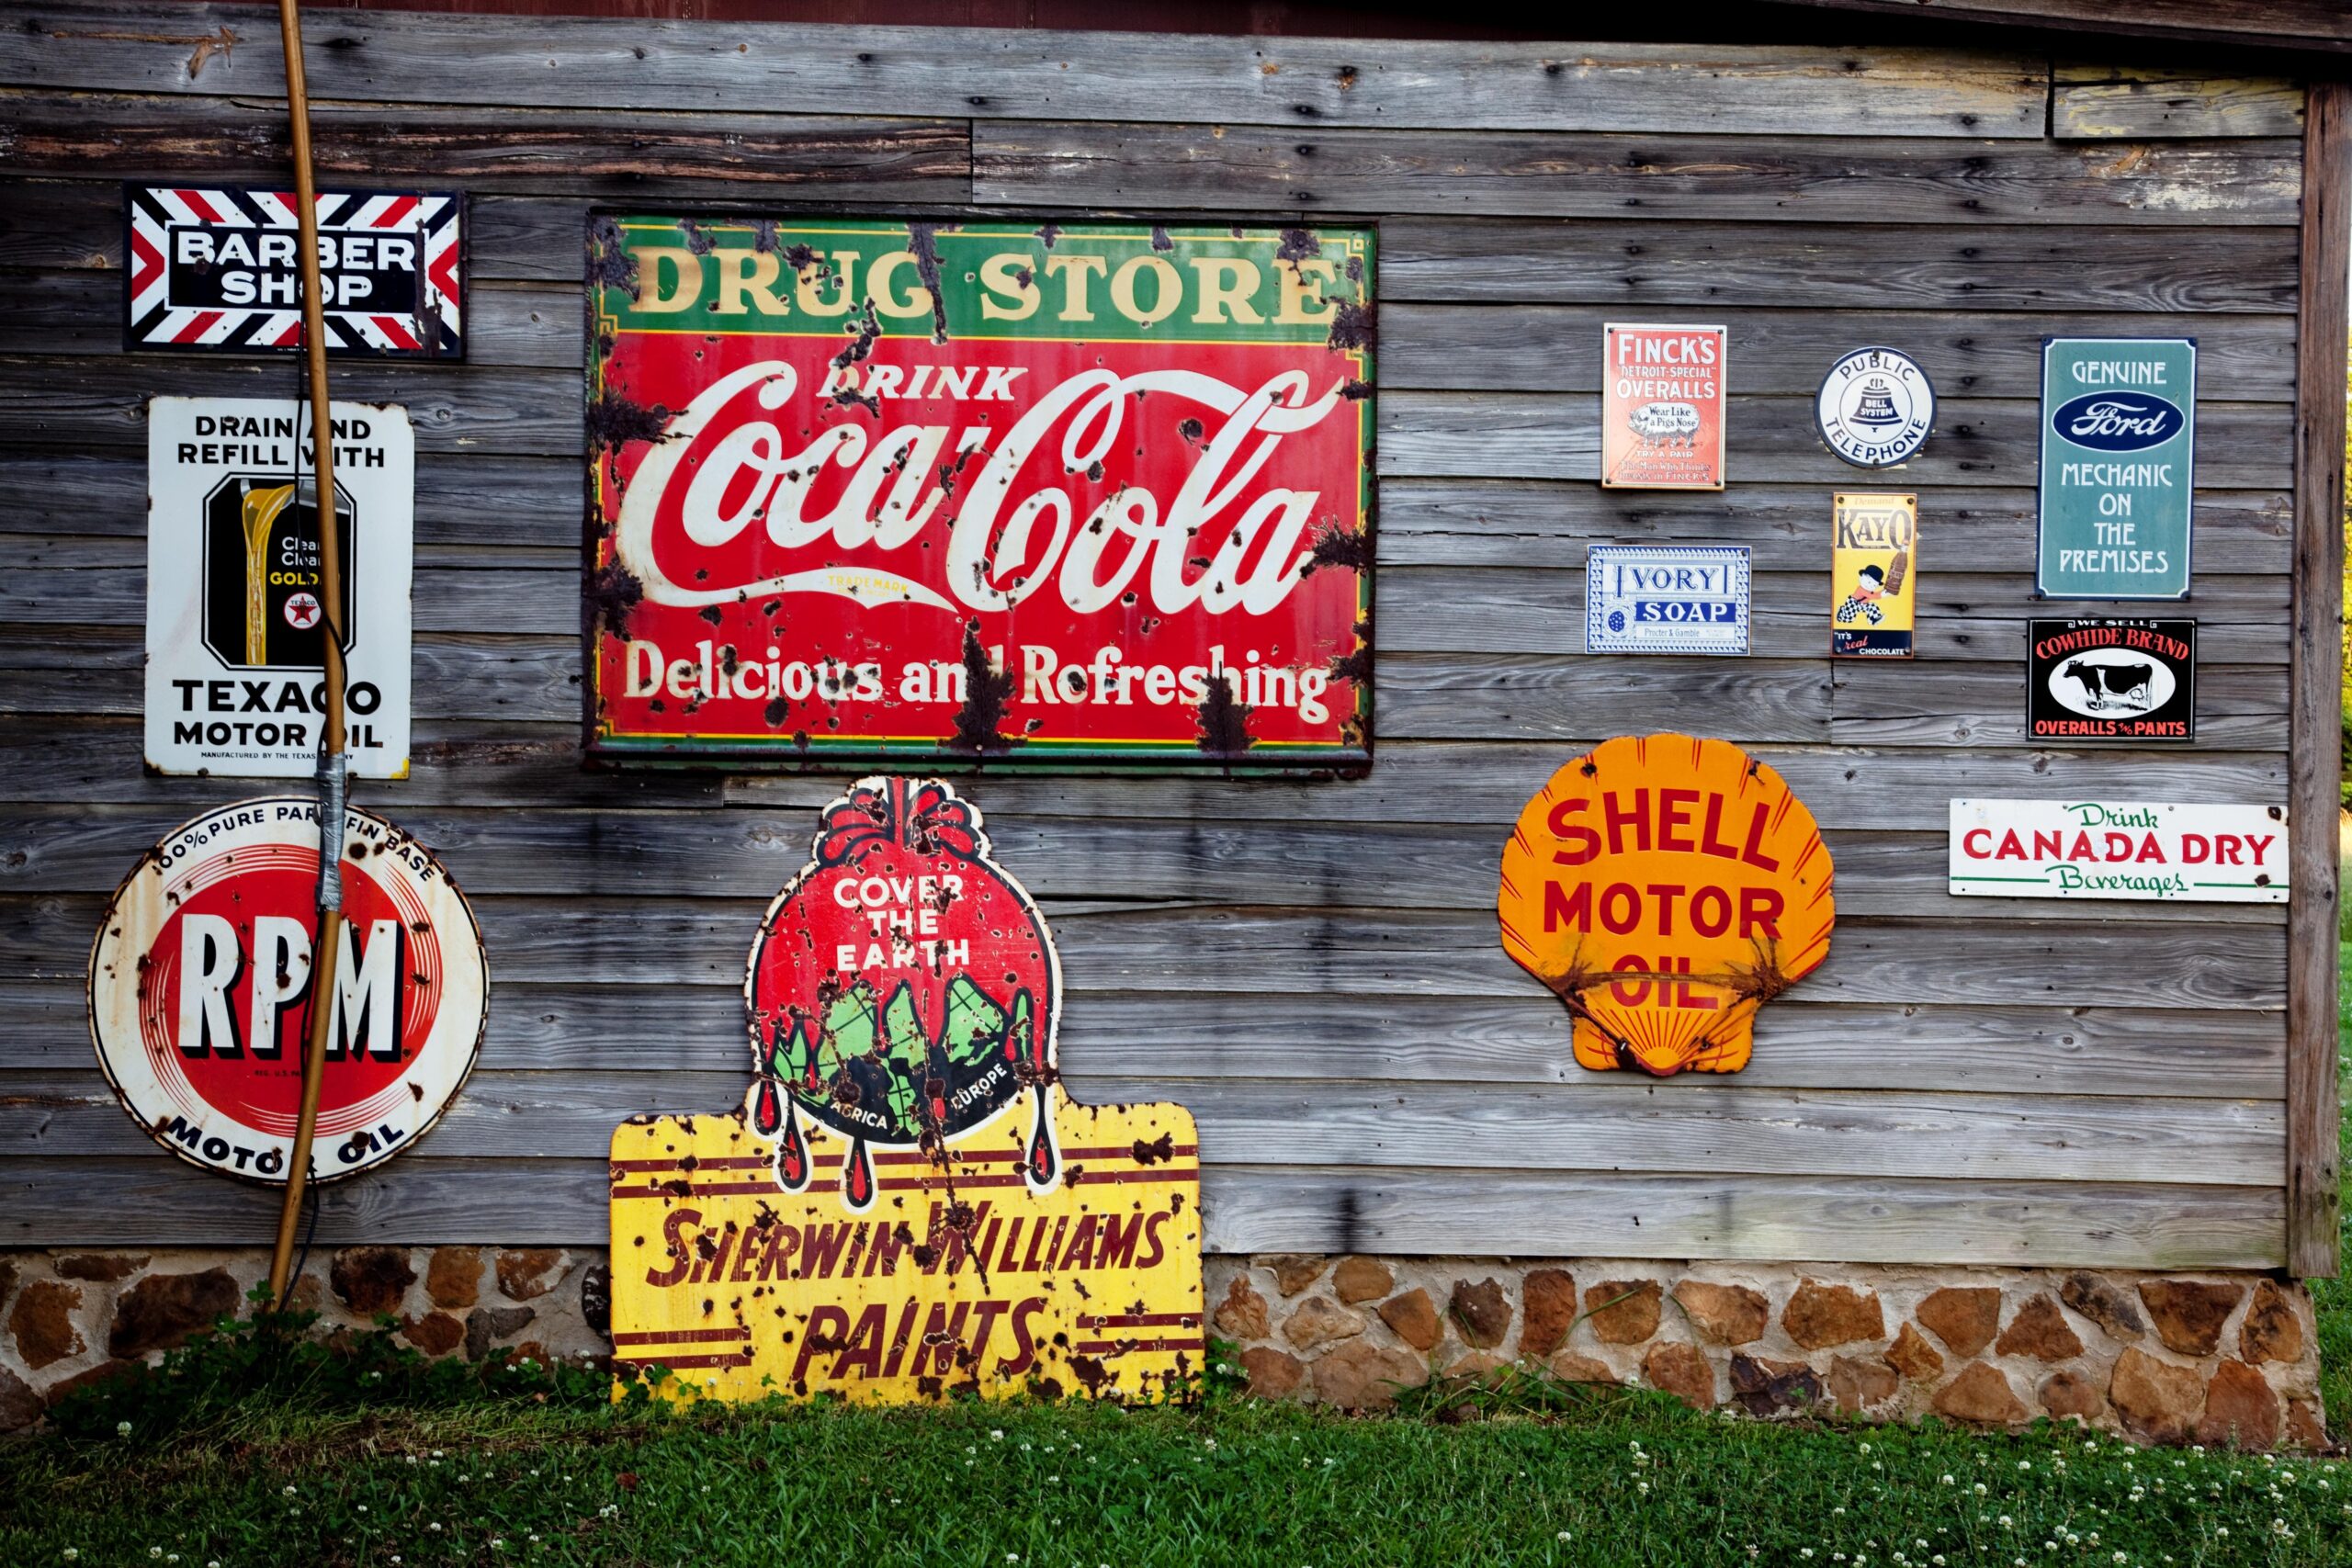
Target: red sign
(883,489)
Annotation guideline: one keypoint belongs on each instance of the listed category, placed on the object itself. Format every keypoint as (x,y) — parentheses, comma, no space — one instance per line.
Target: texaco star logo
(301,612)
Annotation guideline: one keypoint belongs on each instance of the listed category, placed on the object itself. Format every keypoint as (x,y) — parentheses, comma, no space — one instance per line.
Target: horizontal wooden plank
(1984,705)
(155,1201)
(590,1028)
(1860,180)
(1535,525)
(989,72)
(1983,441)
(1607,1121)
(579,151)
(1959,262)
(2090,102)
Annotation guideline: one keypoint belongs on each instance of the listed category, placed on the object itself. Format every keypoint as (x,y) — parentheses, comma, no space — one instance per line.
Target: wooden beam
(2315,701)
(2293,26)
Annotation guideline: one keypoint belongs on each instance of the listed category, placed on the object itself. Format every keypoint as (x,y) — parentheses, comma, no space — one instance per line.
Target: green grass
(1631,1479)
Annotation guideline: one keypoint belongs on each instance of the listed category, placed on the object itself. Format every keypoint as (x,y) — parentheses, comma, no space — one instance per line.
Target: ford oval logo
(2117,421)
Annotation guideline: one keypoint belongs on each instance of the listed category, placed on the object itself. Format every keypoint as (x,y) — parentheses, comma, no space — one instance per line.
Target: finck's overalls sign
(875,489)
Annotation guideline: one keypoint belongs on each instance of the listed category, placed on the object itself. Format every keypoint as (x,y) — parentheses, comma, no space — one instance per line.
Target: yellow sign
(1665,888)
(907,1205)
(1877,576)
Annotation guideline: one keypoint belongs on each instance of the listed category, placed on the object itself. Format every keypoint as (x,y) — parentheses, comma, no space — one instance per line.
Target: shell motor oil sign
(906,1204)
(201,990)
(1665,888)
(868,488)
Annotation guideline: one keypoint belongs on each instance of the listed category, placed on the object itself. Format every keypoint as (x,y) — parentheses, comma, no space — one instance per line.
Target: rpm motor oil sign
(907,1205)
(868,488)
(235,628)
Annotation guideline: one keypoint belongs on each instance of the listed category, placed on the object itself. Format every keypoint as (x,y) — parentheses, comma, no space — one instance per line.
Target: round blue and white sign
(1875,408)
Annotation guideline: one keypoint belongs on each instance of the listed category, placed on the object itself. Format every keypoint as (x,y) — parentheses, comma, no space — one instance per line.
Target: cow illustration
(1674,426)
(2109,686)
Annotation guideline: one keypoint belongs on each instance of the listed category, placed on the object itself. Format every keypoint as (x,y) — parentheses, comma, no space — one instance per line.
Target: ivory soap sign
(2049,849)
(1662,407)
(906,1205)
(866,490)
(2119,439)
(236,633)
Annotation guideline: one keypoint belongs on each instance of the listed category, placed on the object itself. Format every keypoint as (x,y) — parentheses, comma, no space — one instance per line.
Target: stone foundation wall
(2208,1358)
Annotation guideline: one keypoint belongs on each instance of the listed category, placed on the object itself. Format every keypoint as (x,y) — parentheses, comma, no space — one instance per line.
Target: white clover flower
(2005,1521)
(1946,1479)
(1561,1536)
(73,1553)
(434,1527)
(996,1436)
(154,1551)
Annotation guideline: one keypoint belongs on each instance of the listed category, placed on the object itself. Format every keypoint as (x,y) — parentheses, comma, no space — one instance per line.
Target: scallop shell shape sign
(1665,888)
(906,1204)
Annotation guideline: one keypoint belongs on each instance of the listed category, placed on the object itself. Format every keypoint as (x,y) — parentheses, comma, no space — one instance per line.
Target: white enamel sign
(201,990)
(1875,408)
(235,630)
(2050,849)
(1666,599)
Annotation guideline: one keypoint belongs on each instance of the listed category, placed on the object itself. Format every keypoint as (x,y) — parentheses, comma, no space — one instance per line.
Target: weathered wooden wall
(1312,968)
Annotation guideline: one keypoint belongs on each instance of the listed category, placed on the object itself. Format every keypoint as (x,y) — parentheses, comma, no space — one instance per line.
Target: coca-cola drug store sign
(869,489)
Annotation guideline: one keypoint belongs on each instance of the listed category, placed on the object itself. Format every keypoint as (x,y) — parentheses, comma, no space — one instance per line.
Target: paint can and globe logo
(1876,408)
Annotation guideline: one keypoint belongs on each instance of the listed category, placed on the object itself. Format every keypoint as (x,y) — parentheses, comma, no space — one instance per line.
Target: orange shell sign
(1666,888)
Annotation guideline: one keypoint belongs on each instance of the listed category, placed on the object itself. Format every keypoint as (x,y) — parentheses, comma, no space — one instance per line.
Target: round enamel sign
(201,990)
(1875,408)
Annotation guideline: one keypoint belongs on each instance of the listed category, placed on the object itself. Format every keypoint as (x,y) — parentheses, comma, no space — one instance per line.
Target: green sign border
(2044,437)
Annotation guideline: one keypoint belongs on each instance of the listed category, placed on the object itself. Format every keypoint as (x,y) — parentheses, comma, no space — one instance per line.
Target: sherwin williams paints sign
(907,1206)
(1037,495)
(2049,849)
(1665,888)
(2119,437)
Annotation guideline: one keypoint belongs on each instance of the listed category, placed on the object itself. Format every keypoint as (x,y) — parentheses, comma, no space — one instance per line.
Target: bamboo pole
(328,949)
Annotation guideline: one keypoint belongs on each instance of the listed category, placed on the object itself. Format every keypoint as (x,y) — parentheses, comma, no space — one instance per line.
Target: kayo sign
(868,488)
(1666,888)
(202,991)
(907,1205)
(2049,849)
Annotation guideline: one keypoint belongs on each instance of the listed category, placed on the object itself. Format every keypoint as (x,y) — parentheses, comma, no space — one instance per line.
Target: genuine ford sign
(2117,422)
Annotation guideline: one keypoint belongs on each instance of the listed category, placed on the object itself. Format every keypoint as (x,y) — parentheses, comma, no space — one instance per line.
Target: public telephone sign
(2119,439)
(866,490)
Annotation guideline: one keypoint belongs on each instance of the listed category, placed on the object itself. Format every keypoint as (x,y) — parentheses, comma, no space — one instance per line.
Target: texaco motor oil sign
(235,630)
(201,990)
(906,1205)
(868,488)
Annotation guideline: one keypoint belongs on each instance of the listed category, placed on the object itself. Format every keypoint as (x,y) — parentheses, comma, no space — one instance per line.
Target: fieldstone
(2070,1394)
(103,1268)
(1680,1369)
(1242,1313)
(1547,1301)
(1364,1376)
(308,1294)
(1318,1322)
(371,1279)
(596,1299)
(1727,1314)
(1413,1318)
(1819,1316)
(1273,1374)
(1294,1271)
(43,1322)
(2272,1331)
(2155,1398)
(530,1273)
(1856,1384)
(2040,1330)
(2304,1428)
(19,1406)
(1964,1317)
(1476,1366)
(2189,1314)
(1763,1387)
(1914,1357)
(1623,1312)
(57,1394)
(484,1324)
(435,1334)
(163,1310)
(1359,1280)
(1482,1311)
(1569,1367)
(528,1353)
(2105,1304)
(1979,1394)
(454,1277)
(2239,1408)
